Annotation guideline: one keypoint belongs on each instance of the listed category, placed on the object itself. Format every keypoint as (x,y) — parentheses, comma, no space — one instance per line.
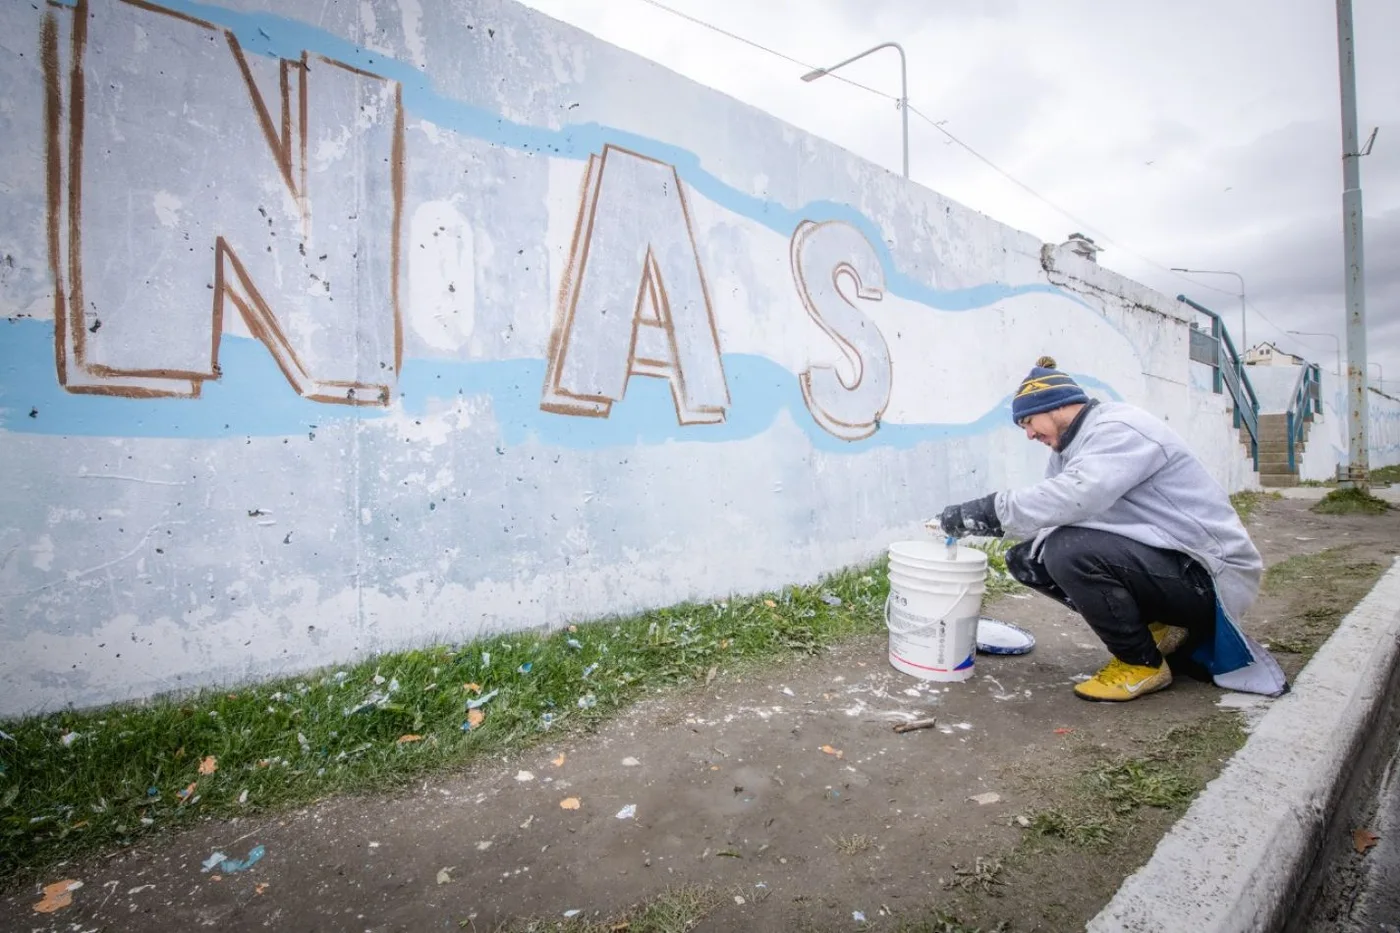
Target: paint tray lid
(997,637)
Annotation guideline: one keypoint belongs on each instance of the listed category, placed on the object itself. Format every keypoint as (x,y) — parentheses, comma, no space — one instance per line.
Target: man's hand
(975,517)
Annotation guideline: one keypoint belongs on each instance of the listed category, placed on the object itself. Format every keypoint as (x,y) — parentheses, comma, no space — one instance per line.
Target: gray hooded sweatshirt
(1126,472)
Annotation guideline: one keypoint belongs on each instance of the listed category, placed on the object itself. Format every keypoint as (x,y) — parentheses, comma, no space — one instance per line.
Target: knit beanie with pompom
(1045,389)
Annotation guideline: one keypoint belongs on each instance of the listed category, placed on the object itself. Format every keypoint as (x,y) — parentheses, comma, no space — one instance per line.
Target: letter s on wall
(820,254)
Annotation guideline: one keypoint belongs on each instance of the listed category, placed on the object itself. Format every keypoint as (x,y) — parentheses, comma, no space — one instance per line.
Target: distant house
(1266,354)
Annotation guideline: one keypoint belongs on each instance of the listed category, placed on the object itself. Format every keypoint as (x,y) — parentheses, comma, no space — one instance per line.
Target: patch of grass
(984,875)
(1322,588)
(675,910)
(1320,570)
(852,845)
(1080,829)
(1109,795)
(1096,824)
(1386,474)
(1317,570)
(1247,502)
(74,783)
(1351,501)
(1135,783)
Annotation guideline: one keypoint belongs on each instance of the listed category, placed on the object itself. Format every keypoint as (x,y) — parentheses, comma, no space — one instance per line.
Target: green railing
(1305,402)
(1216,350)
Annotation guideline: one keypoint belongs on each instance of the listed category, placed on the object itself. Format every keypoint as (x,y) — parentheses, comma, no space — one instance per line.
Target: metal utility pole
(903,86)
(1357,401)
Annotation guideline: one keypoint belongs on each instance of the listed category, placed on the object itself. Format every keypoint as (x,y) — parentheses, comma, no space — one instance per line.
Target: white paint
(442,290)
(167,208)
(411,14)
(43,553)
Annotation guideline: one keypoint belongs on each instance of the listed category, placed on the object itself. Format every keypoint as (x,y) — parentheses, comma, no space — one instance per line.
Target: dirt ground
(783,792)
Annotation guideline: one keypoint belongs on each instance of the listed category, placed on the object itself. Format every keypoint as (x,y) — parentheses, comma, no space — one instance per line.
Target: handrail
(1230,374)
(1302,405)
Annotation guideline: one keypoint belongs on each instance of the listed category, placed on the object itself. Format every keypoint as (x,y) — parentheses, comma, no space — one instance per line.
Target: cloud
(1234,106)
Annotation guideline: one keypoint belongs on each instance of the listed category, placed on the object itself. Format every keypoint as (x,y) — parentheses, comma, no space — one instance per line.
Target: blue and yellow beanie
(1045,389)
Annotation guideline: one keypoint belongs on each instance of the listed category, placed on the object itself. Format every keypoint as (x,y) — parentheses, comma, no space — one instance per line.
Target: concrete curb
(1237,859)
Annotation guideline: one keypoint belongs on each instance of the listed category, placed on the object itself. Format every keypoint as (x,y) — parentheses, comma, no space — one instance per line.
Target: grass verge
(1094,826)
(1386,474)
(1322,588)
(1108,799)
(1247,502)
(75,783)
(1351,501)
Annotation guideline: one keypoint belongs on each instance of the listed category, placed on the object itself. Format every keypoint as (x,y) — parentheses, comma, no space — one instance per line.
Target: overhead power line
(763,48)
(937,125)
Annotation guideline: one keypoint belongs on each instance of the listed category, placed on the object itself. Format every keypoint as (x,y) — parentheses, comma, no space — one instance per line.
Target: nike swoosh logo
(1134,688)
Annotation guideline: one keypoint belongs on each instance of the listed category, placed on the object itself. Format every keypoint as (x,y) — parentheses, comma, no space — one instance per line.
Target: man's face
(1043,427)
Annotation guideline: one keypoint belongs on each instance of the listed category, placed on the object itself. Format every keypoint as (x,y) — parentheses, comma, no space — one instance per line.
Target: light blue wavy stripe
(253,399)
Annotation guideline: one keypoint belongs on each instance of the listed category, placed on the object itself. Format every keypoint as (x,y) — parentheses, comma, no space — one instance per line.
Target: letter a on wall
(633,299)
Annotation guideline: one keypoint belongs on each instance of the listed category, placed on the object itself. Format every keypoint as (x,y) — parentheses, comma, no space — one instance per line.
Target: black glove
(976,517)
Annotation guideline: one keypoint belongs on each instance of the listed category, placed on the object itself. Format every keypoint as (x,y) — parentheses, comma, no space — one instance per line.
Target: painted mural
(334,331)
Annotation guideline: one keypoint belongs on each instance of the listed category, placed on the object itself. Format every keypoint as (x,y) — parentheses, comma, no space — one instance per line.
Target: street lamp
(1244,330)
(903,86)
(1331,337)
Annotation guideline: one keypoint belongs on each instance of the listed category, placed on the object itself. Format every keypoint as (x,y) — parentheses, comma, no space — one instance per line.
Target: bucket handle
(910,630)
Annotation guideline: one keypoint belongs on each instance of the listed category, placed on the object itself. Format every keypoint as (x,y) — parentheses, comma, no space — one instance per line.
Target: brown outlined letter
(633,299)
(180,167)
(821,254)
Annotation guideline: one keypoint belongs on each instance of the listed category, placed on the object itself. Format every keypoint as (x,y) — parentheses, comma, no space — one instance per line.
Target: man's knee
(1022,566)
(1068,554)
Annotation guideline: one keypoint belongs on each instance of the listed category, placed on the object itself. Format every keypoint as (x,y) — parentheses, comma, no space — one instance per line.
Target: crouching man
(1130,531)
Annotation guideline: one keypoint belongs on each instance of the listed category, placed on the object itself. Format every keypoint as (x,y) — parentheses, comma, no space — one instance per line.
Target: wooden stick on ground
(916,724)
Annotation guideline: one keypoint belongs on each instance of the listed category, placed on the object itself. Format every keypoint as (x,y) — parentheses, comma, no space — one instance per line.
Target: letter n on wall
(180,178)
(633,299)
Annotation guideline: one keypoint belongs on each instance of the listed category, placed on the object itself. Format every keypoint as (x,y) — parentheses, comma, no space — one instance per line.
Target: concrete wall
(1329,442)
(1211,432)
(1274,386)
(339,328)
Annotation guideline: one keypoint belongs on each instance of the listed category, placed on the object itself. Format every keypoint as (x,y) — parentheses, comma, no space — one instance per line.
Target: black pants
(1119,586)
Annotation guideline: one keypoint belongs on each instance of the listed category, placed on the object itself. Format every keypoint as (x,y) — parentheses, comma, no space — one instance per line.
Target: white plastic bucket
(935,602)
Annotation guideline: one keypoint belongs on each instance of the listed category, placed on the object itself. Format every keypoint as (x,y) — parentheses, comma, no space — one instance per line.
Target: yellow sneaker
(1119,682)
(1167,637)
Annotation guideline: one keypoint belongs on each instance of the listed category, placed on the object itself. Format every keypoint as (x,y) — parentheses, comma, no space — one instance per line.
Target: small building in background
(1266,354)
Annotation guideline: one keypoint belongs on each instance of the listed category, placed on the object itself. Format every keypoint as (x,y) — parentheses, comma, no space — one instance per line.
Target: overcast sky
(1197,134)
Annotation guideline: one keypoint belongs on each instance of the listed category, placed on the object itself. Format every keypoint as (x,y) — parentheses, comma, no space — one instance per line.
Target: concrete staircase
(1273,450)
